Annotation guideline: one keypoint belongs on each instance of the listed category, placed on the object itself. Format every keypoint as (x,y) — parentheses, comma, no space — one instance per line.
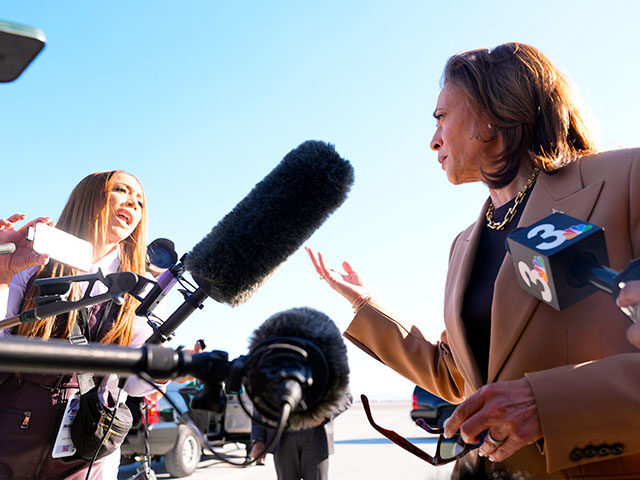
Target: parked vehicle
(171,438)
(433,409)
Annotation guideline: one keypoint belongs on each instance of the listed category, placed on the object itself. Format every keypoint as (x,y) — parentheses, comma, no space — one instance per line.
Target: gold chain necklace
(512,211)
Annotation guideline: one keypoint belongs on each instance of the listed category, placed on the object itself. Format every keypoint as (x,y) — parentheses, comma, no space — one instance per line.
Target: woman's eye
(118,188)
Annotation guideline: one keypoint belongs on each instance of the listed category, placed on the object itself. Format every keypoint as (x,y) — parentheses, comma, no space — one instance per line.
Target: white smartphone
(61,246)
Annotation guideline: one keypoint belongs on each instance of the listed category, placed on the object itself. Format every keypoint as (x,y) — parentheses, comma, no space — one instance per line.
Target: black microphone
(298,357)
(263,230)
(271,222)
(562,260)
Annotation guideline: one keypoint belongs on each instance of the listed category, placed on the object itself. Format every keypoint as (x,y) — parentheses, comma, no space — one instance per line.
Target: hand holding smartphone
(61,246)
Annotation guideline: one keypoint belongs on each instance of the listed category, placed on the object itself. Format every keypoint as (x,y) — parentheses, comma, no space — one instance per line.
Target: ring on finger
(493,441)
(321,277)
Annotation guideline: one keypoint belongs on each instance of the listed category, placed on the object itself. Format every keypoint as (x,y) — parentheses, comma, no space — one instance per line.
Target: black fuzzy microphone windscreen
(316,327)
(271,222)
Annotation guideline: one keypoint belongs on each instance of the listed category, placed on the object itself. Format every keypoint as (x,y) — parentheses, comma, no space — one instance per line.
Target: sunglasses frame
(410,447)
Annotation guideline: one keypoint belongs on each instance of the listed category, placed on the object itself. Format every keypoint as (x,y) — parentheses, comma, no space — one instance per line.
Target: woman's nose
(436,142)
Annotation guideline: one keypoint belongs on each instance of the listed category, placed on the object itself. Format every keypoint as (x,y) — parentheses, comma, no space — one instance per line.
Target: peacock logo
(575,230)
(538,266)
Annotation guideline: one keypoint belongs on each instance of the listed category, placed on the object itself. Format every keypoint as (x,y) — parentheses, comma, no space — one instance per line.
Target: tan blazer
(584,373)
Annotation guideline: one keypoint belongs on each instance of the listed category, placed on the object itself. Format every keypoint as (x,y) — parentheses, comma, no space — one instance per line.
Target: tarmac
(361,453)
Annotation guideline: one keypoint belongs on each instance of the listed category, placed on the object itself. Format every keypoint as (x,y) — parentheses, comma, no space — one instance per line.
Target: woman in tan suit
(557,391)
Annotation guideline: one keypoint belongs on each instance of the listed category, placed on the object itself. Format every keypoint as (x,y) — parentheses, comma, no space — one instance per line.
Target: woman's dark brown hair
(518,91)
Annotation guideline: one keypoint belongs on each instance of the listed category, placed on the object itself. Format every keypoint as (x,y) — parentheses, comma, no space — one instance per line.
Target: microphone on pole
(279,214)
(297,357)
(271,222)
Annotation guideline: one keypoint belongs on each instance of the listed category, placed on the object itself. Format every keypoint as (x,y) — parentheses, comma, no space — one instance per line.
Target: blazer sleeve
(404,349)
(595,404)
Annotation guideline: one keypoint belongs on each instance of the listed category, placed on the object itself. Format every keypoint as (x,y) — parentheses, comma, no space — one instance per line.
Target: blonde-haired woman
(108,210)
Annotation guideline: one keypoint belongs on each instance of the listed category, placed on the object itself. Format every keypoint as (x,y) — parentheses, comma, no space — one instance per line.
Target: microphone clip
(117,284)
(285,370)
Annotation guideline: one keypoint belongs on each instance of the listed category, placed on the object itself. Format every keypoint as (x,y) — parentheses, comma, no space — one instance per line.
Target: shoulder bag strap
(76,337)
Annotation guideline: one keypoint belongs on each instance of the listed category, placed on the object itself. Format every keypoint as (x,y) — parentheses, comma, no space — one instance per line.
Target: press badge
(64,446)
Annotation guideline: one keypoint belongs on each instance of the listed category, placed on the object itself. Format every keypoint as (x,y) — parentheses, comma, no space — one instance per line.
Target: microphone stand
(51,305)
(57,356)
(149,361)
(192,301)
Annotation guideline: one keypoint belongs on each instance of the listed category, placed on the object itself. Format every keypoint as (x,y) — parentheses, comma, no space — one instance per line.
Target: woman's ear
(495,140)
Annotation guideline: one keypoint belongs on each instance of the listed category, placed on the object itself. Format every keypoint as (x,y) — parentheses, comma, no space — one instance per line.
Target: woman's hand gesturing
(349,284)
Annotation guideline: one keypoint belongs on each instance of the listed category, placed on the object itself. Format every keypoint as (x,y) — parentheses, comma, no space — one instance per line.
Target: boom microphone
(271,222)
(562,260)
(299,354)
(297,357)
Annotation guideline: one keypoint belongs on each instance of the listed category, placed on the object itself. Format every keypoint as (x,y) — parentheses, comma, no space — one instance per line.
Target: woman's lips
(124,217)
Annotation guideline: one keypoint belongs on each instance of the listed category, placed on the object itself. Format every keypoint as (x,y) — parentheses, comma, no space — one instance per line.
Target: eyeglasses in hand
(447,449)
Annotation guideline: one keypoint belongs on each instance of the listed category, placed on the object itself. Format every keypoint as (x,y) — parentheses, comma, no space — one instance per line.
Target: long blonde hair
(86,215)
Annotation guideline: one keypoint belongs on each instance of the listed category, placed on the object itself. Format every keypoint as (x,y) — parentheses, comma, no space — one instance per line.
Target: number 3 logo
(536,275)
(546,230)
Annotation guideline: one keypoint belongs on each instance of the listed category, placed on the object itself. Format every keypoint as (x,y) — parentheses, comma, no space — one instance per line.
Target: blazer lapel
(512,307)
(459,274)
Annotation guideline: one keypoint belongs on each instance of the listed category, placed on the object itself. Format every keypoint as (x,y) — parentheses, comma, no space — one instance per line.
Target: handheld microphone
(7,248)
(271,222)
(562,260)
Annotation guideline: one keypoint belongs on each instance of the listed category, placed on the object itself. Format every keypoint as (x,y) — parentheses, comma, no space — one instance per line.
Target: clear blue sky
(201,99)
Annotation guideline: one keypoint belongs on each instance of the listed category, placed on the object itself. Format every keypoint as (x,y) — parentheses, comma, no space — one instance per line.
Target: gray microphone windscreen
(271,222)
